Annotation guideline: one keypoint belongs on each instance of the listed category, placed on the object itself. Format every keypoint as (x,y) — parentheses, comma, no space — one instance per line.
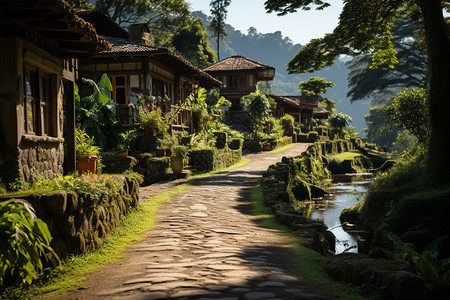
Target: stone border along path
(207,246)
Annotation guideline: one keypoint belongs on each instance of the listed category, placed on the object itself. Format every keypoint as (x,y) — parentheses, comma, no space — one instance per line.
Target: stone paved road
(207,246)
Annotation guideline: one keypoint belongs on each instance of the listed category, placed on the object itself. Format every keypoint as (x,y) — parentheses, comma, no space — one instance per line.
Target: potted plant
(127,138)
(152,121)
(86,152)
(179,153)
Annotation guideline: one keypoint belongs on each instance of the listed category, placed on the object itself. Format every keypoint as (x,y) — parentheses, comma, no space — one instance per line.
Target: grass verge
(308,262)
(284,148)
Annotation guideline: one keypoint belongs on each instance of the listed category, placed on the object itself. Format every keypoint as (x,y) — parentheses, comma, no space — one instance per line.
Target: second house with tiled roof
(133,64)
(239,76)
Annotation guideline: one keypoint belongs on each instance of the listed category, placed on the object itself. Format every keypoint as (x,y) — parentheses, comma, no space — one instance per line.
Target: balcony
(241,90)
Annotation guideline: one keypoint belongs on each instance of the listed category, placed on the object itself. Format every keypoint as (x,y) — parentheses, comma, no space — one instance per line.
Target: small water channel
(328,209)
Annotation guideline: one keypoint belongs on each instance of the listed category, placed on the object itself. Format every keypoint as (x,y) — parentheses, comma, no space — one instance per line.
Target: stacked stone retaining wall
(78,222)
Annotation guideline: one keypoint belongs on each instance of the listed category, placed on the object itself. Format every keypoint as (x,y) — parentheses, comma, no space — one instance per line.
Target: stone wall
(40,155)
(78,222)
(287,184)
(214,159)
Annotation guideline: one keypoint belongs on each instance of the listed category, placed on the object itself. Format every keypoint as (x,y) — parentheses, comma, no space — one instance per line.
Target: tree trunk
(217,47)
(438,45)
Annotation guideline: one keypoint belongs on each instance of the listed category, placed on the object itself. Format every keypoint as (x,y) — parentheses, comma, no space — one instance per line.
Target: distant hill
(275,50)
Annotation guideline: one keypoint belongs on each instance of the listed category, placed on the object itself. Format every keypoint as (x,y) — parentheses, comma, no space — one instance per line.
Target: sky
(300,27)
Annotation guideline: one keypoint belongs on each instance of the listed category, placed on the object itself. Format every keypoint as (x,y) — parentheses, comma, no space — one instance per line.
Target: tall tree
(162,16)
(365,25)
(381,84)
(192,42)
(217,26)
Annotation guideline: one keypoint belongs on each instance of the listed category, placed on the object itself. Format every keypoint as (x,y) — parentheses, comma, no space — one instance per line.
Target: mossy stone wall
(288,183)
(78,222)
(214,159)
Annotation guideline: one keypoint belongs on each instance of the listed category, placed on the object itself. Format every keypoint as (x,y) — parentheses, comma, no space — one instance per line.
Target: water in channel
(328,209)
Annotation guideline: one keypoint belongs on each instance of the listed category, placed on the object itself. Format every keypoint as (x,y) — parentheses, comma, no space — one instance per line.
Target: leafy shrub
(96,185)
(287,122)
(179,151)
(409,109)
(408,169)
(96,111)
(25,239)
(152,118)
(85,145)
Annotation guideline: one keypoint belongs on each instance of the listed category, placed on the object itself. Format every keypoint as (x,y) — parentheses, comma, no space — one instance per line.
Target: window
(37,102)
(161,88)
(119,83)
(237,80)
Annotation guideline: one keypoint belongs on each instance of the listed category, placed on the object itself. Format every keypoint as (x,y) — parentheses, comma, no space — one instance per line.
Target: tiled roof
(124,48)
(297,101)
(121,47)
(51,16)
(237,63)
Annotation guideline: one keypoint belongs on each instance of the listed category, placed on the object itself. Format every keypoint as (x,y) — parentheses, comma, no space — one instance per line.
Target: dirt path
(207,246)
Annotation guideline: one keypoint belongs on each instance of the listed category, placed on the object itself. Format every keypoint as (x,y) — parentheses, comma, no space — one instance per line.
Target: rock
(258,295)
(55,203)
(281,277)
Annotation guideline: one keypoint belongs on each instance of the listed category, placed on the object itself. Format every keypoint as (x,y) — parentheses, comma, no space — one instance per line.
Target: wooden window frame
(41,103)
(112,78)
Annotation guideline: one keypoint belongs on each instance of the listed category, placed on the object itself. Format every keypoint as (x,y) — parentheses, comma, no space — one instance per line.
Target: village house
(133,65)
(240,76)
(300,107)
(40,41)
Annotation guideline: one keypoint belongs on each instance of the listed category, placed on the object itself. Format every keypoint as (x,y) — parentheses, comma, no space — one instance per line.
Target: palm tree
(339,121)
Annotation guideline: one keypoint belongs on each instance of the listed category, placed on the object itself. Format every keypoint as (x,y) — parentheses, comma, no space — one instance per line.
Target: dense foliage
(96,112)
(314,86)
(192,42)
(366,26)
(24,240)
(409,109)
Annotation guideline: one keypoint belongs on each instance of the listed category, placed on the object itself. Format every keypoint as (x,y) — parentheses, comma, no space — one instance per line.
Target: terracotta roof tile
(124,48)
(236,63)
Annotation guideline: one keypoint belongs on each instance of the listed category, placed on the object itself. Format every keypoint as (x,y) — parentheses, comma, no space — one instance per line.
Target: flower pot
(177,164)
(160,152)
(168,152)
(123,152)
(86,164)
(266,147)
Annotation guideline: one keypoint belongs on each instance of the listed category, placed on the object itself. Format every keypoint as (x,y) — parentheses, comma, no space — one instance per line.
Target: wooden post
(69,94)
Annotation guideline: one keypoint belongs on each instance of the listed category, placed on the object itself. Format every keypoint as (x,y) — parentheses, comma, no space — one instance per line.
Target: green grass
(308,262)
(349,155)
(281,149)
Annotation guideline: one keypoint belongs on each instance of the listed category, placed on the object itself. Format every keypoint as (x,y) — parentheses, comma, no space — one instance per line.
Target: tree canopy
(315,86)
(192,42)
(365,26)
(380,83)
(162,16)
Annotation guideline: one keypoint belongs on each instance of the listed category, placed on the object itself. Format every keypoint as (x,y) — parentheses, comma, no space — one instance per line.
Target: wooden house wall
(23,152)
(148,76)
